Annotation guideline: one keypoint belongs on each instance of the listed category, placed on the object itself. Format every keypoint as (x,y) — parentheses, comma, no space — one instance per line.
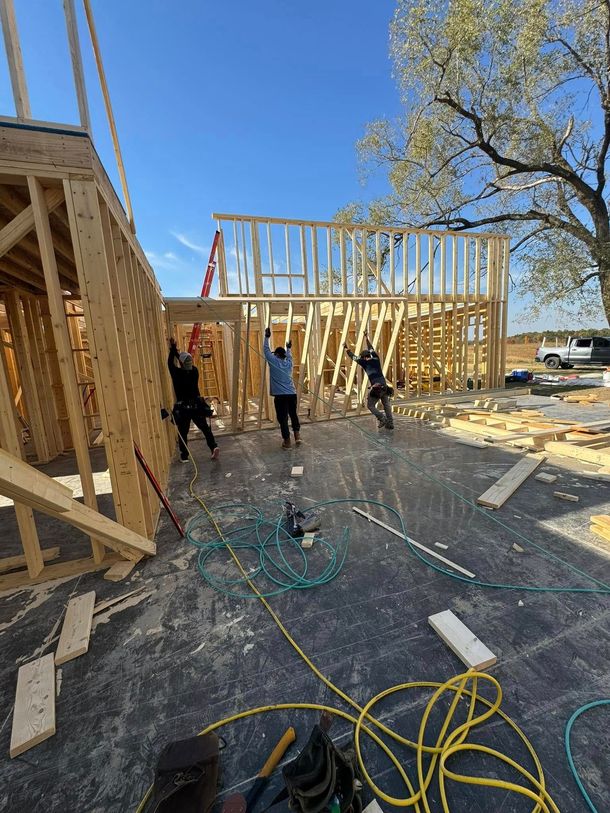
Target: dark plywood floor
(184,655)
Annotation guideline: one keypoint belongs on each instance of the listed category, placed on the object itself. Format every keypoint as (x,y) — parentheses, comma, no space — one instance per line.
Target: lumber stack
(600,526)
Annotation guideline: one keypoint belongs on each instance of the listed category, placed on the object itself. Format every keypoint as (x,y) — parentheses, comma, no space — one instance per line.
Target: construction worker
(379,389)
(189,406)
(283,389)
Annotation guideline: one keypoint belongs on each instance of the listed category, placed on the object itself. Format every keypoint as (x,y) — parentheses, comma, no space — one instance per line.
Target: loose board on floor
(34,714)
(497,495)
(76,629)
(544,477)
(119,570)
(469,649)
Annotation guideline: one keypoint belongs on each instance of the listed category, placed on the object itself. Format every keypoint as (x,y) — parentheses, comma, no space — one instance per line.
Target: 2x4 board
(469,649)
(497,495)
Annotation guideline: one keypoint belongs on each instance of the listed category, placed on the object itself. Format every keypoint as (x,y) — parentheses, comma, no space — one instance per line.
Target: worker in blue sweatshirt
(283,389)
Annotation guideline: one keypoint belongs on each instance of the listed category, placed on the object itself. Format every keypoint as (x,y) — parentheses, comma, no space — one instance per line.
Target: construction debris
(76,629)
(414,543)
(469,649)
(563,496)
(34,713)
(544,477)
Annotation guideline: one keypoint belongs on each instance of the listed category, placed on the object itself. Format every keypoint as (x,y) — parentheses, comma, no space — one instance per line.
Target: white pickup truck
(593,350)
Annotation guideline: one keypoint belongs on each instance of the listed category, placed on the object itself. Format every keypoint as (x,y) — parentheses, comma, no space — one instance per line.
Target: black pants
(286,405)
(183,418)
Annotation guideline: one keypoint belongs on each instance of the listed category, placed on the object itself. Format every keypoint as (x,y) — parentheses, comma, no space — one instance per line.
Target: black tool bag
(320,772)
(379,390)
(186,777)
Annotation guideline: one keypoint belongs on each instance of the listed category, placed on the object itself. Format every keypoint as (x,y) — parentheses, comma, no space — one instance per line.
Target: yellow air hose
(446,746)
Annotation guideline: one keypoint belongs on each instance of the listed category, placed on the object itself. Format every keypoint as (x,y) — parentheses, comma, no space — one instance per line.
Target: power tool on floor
(298,523)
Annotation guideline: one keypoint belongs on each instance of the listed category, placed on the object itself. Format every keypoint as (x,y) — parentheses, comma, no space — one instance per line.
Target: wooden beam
(19,481)
(15,59)
(34,714)
(47,404)
(77,64)
(415,544)
(10,440)
(110,115)
(23,353)
(61,570)
(64,350)
(23,223)
(17,562)
(187,311)
(497,495)
(96,291)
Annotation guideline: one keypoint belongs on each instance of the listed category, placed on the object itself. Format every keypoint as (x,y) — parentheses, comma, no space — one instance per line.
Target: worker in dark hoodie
(189,406)
(379,389)
(283,389)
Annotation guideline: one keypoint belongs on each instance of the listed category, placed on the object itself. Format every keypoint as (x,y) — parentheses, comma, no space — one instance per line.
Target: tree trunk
(604,284)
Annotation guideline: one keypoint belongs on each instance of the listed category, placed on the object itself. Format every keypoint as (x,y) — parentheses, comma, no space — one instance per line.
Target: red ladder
(205,290)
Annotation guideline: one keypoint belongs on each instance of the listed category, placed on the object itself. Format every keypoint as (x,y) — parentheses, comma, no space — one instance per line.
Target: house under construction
(86,398)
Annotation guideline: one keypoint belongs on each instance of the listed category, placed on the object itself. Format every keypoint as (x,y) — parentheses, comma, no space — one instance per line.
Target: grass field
(520,356)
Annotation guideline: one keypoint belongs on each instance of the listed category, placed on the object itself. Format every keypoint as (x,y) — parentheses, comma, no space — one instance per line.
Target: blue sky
(246,107)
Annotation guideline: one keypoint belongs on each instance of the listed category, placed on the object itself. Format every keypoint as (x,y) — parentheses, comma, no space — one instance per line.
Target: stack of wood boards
(600,526)
(587,449)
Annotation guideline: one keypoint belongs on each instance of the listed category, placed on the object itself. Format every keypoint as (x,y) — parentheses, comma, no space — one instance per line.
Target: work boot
(184,458)
(381,422)
(215,453)
(297,438)
(286,443)
(389,426)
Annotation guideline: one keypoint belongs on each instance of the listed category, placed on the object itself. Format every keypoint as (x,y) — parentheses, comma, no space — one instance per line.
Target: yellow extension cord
(446,745)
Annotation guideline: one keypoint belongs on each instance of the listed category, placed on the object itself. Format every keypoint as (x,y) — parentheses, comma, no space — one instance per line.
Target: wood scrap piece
(110,602)
(595,475)
(34,714)
(415,544)
(497,495)
(15,562)
(373,807)
(544,477)
(600,525)
(478,444)
(74,637)
(561,495)
(462,641)
(119,571)
(297,471)
(307,541)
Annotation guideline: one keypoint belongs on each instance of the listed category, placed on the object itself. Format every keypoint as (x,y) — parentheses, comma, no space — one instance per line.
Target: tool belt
(186,776)
(188,409)
(320,772)
(379,390)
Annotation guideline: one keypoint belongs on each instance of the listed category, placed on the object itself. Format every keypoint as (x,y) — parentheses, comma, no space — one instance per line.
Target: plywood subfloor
(185,656)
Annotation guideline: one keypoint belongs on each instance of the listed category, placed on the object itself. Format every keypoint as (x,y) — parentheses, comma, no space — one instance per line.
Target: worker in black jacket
(379,389)
(189,406)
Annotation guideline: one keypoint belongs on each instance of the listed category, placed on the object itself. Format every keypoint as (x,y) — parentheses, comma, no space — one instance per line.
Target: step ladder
(210,385)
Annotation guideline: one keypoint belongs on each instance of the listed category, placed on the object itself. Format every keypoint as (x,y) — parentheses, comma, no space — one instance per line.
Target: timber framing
(81,323)
(81,316)
(432,302)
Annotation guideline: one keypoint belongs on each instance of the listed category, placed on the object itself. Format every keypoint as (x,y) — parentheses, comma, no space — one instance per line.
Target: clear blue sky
(236,106)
